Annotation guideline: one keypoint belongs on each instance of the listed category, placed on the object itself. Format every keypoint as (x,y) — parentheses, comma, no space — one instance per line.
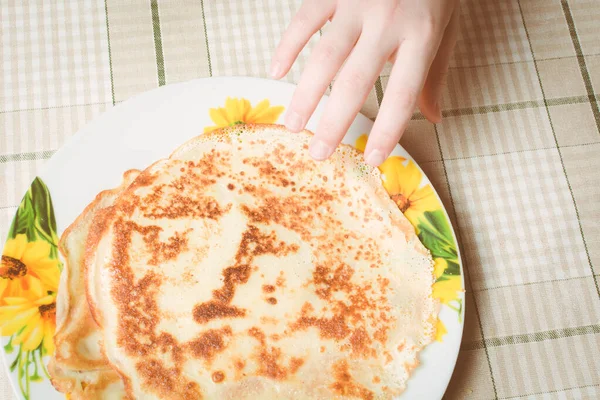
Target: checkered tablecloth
(516,159)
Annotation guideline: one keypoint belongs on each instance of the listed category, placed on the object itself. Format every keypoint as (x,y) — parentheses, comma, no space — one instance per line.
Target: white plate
(148,127)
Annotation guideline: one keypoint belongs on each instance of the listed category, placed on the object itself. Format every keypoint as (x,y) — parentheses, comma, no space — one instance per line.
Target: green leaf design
(34,218)
(453,268)
(436,235)
(23,218)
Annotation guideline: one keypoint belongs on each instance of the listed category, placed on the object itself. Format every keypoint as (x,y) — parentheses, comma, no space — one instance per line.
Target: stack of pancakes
(239,268)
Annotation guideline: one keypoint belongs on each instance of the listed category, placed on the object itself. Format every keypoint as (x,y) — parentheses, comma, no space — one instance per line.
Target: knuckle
(327,52)
(404,99)
(303,19)
(428,28)
(355,81)
(328,127)
(389,135)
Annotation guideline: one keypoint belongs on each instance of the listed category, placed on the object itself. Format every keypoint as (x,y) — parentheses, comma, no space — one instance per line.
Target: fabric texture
(515,160)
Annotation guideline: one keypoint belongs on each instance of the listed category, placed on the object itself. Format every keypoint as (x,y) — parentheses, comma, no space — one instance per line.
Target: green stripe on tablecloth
(379,91)
(160,59)
(110,65)
(54,107)
(550,392)
(521,105)
(562,162)
(206,38)
(532,337)
(465,269)
(504,153)
(446,113)
(516,62)
(34,155)
(585,74)
(537,282)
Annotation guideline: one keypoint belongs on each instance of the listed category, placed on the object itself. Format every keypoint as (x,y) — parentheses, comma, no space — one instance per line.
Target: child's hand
(416,35)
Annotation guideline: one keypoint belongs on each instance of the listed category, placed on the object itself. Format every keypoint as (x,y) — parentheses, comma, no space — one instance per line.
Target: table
(515,160)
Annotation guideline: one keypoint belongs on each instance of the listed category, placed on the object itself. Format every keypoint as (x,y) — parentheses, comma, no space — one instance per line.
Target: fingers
(348,95)
(325,60)
(406,81)
(311,16)
(436,79)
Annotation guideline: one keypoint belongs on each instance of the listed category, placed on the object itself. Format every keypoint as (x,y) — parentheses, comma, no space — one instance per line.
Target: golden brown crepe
(240,268)
(78,365)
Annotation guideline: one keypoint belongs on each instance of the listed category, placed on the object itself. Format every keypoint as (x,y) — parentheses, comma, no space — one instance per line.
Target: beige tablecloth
(516,159)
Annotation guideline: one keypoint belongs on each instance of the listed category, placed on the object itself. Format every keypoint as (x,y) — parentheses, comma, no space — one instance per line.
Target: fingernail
(319,150)
(375,158)
(293,121)
(275,69)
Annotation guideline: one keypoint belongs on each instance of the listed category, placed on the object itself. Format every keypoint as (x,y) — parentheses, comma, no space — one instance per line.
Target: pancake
(78,366)
(240,268)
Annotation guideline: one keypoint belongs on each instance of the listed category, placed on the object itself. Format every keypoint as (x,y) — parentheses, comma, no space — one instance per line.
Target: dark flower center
(402,202)
(12,268)
(48,310)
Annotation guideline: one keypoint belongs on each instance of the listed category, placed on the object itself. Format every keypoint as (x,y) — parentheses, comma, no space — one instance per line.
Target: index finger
(311,16)
(406,82)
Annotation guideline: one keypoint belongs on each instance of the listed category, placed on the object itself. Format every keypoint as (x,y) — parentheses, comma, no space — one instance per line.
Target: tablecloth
(516,159)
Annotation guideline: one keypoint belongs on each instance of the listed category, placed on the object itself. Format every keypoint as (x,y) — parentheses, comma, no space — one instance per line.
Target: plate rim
(73,141)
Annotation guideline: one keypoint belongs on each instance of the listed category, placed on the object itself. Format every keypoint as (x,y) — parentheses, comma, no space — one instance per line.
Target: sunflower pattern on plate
(29,276)
(240,111)
(403,181)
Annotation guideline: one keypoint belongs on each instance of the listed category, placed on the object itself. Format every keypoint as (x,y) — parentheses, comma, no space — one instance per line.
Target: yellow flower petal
(49,299)
(13,301)
(424,199)
(447,289)
(439,267)
(219,116)
(49,277)
(36,251)
(408,177)
(3,285)
(269,116)
(254,113)
(9,311)
(14,324)
(415,212)
(393,175)
(232,109)
(32,288)
(244,109)
(241,111)
(24,335)
(361,143)
(49,328)
(34,338)
(26,329)
(15,247)
(263,113)
(440,330)
(36,257)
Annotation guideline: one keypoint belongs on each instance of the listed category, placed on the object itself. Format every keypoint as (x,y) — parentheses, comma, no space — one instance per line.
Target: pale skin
(416,36)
